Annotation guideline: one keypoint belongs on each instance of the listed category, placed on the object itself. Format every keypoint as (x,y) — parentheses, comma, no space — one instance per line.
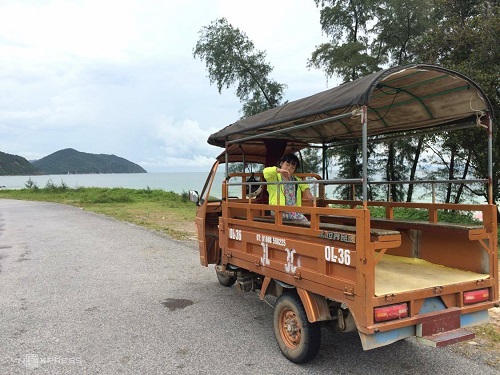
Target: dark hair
(290,158)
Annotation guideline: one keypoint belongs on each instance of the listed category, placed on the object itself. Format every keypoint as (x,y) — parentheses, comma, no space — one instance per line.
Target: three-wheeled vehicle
(386,277)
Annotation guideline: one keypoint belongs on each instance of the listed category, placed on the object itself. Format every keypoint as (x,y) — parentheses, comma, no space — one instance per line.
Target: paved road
(84,294)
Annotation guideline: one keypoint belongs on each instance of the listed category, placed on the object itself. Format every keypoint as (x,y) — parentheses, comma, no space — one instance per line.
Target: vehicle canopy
(404,99)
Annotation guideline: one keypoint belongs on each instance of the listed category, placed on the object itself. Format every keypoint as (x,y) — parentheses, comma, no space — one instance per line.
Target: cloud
(184,144)
(85,29)
(118,76)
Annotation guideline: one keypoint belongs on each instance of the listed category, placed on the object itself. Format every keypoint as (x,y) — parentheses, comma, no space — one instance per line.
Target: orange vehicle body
(387,278)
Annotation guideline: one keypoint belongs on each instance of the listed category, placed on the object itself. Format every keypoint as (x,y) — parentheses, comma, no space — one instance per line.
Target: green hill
(76,162)
(14,165)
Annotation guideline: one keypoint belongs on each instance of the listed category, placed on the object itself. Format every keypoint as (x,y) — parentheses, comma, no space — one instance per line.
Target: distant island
(67,161)
(14,165)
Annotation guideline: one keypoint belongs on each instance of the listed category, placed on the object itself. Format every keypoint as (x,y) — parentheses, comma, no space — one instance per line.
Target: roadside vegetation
(163,211)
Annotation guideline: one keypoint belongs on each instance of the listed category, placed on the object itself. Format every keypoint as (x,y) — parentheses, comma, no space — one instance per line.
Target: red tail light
(391,312)
(476,296)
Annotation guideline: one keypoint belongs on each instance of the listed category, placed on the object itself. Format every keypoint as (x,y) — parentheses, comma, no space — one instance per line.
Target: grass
(166,212)
(489,332)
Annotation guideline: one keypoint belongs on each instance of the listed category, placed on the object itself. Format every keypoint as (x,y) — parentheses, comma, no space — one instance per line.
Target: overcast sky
(119,77)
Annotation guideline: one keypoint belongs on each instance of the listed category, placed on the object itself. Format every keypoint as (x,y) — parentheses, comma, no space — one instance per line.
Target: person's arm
(270,174)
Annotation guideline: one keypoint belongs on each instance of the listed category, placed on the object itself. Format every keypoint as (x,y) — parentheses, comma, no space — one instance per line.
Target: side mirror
(194,196)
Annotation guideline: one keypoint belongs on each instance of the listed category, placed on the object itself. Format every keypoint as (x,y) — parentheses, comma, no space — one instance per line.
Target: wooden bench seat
(428,225)
(399,224)
(327,226)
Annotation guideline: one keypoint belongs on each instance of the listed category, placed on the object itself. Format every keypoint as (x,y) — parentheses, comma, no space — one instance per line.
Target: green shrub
(30,184)
(463,217)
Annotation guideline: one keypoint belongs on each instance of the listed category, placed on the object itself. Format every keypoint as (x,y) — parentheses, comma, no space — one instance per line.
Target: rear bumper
(425,332)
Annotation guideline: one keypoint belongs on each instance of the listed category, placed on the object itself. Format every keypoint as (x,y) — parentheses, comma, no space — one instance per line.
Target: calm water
(176,182)
(179,182)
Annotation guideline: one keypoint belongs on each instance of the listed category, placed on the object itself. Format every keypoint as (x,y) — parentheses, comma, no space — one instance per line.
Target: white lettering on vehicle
(289,267)
(265,257)
(235,234)
(337,255)
(343,237)
(270,239)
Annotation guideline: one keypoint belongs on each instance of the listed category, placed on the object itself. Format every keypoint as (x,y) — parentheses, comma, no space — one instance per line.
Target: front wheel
(298,339)
(225,280)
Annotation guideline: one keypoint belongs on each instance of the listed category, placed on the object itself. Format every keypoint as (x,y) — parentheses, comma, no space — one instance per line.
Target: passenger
(290,194)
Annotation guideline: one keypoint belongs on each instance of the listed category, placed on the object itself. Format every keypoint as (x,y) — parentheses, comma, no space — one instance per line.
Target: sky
(119,77)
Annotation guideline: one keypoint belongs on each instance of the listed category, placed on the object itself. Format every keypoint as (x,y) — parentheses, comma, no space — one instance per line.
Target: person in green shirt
(289,194)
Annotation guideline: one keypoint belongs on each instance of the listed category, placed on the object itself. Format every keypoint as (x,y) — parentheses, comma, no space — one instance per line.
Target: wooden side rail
(374,232)
(412,224)
(428,225)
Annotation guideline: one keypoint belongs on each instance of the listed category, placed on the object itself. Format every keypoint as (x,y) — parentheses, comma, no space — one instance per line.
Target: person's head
(289,162)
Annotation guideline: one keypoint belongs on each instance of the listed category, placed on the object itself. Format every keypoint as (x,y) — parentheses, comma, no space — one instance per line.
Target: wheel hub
(291,326)
(290,329)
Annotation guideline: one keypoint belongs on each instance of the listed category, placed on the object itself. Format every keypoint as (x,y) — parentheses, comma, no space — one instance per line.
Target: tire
(225,280)
(298,339)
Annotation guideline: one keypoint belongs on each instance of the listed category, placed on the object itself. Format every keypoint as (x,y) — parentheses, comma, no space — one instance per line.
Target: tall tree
(464,37)
(310,161)
(397,27)
(347,52)
(457,34)
(231,59)
(414,157)
(346,55)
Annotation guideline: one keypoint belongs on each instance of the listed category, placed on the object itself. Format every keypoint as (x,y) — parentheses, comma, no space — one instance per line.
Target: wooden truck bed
(396,274)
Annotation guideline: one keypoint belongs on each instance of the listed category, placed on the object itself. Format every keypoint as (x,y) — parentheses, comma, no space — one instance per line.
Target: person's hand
(284,172)
(307,195)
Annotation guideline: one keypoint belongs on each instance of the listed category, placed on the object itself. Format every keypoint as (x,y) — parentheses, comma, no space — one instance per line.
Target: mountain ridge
(11,165)
(67,161)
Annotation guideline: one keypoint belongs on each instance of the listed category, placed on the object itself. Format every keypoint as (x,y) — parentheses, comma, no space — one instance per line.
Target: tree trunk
(451,175)
(413,171)
(466,170)
(389,171)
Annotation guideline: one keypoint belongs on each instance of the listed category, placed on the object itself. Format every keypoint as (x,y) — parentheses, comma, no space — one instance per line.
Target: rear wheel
(225,280)
(298,339)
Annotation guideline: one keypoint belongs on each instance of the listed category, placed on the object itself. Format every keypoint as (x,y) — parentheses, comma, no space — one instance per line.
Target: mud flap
(380,339)
(440,328)
(432,322)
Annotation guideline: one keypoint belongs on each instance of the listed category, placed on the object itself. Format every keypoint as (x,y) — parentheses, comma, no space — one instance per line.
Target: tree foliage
(399,24)
(364,36)
(232,59)
(310,161)
(462,35)
(347,52)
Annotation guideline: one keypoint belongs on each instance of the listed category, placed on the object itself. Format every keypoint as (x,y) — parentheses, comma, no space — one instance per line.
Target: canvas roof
(398,99)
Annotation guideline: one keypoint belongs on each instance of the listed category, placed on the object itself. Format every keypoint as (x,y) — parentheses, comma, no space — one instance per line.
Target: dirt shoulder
(485,347)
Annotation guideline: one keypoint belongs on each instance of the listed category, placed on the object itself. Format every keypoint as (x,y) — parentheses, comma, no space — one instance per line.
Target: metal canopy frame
(422,99)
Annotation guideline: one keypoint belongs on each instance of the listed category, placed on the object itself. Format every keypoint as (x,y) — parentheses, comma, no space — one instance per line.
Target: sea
(178,182)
